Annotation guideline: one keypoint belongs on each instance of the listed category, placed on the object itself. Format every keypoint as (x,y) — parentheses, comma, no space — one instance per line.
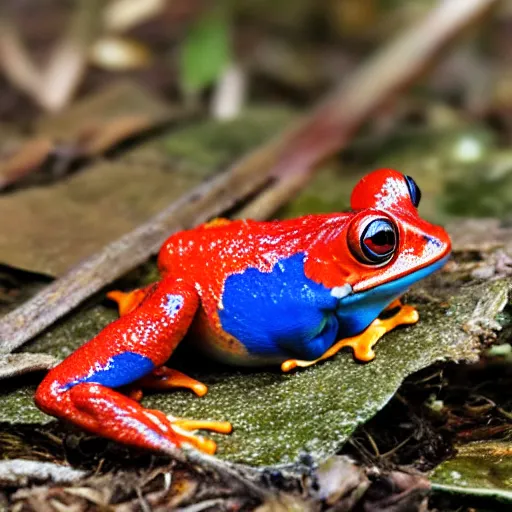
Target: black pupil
(378,240)
(414,191)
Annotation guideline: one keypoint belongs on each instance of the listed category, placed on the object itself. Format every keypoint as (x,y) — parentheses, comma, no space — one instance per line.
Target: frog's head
(386,237)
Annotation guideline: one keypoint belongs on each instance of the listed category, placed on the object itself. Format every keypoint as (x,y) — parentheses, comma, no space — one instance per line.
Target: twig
(12,365)
(16,471)
(290,157)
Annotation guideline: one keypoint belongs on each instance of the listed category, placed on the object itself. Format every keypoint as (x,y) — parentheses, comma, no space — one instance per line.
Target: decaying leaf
(12,365)
(480,469)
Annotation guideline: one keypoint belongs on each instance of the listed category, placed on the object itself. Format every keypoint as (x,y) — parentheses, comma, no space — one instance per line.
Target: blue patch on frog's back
(279,312)
(283,313)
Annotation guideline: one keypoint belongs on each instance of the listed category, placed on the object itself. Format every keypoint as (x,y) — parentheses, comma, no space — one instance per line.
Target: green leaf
(206,51)
(277,416)
(480,469)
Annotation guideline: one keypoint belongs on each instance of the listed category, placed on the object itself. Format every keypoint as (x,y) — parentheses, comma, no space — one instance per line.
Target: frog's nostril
(432,240)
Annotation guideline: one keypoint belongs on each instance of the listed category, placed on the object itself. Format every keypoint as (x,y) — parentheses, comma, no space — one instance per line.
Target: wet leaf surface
(277,416)
(480,469)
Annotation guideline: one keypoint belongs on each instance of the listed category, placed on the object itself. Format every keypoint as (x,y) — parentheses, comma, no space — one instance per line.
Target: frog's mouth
(357,310)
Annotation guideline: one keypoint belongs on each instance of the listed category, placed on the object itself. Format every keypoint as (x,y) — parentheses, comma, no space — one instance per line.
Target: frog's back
(222,247)
(249,274)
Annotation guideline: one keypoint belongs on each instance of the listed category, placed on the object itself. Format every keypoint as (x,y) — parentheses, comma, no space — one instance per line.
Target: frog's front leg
(162,378)
(363,343)
(83,388)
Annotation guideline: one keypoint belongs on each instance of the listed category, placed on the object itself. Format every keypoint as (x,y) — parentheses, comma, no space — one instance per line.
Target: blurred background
(113,110)
(266,61)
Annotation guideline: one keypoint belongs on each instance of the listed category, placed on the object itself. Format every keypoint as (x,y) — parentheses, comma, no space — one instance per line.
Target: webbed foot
(128,301)
(163,379)
(363,343)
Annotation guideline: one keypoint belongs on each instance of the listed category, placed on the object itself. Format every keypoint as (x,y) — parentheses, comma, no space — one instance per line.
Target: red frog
(287,292)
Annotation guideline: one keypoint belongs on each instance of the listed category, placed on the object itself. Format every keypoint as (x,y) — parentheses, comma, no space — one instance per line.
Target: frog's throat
(392,289)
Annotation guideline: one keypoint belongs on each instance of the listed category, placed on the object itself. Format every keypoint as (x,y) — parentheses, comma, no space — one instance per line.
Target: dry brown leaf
(12,365)
(120,100)
(58,226)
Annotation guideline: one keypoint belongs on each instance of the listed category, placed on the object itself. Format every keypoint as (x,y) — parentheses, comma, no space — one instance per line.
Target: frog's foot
(108,413)
(184,427)
(163,379)
(128,301)
(166,378)
(363,343)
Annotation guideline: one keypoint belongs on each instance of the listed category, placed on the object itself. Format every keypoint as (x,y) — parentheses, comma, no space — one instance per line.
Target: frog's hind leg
(363,343)
(97,408)
(84,388)
(162,378)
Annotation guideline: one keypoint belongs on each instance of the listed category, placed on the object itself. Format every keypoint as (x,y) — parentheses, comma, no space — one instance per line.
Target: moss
(214,145)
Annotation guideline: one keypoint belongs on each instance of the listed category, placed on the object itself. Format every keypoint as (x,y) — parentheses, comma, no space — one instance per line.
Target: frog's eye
(414,191)
(376,243)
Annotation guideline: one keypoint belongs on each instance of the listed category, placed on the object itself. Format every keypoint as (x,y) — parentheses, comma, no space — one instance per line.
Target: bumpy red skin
(195,265)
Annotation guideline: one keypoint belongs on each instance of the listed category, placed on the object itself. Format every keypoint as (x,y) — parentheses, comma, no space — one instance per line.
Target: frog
(289,293)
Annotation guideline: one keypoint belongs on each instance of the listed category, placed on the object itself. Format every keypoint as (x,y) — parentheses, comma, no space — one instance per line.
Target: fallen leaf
(480,469)
(12,365)
(277,416)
